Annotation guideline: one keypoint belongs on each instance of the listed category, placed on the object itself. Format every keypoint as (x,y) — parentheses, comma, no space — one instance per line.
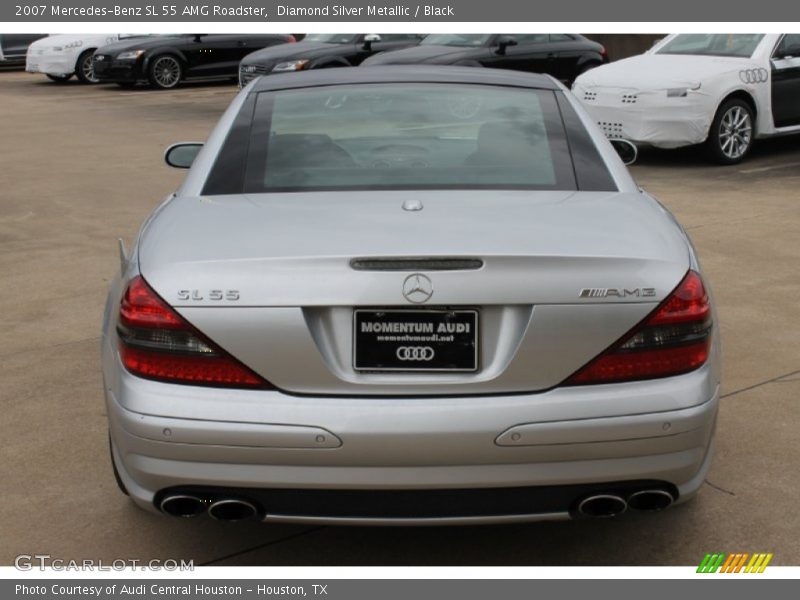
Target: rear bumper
(259,441)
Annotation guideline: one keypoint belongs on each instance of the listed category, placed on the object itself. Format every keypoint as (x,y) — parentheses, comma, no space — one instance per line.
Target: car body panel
(561,55)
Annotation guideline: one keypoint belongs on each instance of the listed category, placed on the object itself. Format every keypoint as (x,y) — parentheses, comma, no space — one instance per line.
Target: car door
(786,81)
(531,53)
(213,55)
(568,52)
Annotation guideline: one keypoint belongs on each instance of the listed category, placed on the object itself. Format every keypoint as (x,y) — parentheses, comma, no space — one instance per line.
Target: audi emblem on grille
(754,75)
(417,353)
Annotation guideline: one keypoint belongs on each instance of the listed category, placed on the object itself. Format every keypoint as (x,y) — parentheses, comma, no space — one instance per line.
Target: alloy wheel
(735,132)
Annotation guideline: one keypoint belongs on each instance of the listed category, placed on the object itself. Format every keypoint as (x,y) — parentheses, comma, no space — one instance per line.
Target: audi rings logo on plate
(754,75)
(418,353)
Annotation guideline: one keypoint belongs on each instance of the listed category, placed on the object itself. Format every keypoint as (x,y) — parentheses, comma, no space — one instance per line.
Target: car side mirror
(627,150)
(503,42)
(369,39)
(182,155)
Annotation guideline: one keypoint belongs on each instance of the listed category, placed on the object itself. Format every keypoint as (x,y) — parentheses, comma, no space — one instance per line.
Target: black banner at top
(355,11)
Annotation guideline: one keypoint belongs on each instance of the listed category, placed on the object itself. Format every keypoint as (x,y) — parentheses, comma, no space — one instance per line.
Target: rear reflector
(674,339)
(157,343)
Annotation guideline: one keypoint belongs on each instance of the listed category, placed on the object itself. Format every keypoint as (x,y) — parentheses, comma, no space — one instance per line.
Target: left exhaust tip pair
(223,509)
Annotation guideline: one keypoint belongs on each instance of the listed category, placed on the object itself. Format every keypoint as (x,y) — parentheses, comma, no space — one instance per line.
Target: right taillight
(157,343)
(674,339)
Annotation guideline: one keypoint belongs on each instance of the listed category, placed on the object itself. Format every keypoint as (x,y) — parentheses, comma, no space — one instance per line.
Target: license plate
(415,340)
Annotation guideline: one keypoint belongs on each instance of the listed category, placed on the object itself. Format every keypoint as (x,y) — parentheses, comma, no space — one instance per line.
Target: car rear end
(540,350)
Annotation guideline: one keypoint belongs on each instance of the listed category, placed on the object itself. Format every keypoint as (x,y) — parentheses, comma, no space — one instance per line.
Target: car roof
(404,74)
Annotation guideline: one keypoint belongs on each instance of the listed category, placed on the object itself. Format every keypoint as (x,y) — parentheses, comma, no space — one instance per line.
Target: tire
(59,78)
(732,132)
(117,478)
(164,72)
(84,68)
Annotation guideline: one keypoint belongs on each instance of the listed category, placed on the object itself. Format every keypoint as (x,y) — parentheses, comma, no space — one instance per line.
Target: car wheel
(84,68)
(117,478)
(731,136)
(59,78)
(165,72)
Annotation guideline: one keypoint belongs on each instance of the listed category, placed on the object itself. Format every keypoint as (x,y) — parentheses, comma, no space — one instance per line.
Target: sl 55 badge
(215,295)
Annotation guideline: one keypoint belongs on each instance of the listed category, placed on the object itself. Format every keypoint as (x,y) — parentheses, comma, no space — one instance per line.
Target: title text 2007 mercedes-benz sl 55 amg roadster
(409,295)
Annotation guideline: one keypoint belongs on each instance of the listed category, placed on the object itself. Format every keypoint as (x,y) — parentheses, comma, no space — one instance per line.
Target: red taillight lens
(291,39)
(157,343)
(674,339)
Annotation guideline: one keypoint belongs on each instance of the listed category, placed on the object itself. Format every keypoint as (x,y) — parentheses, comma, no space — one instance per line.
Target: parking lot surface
(82,166)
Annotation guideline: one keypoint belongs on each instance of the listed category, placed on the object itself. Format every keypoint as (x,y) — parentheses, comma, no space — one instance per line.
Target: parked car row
(163,61)
(721,90)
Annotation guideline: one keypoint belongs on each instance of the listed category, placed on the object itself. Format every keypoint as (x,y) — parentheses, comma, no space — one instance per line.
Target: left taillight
(157,343)
(674,339)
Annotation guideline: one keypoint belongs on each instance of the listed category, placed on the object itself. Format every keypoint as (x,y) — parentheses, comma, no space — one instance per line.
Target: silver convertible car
(409,295)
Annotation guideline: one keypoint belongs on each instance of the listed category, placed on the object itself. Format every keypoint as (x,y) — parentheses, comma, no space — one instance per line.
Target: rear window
(395,137)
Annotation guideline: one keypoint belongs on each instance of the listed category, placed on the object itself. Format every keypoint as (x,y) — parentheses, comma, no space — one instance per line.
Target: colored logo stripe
(734,563)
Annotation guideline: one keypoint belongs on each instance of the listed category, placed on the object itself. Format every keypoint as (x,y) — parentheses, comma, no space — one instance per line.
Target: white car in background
(62,56)
(724,90)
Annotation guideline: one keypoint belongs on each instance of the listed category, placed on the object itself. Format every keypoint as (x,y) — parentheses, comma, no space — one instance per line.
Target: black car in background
(14,47)
(562,55)
(322,51)
(164,61)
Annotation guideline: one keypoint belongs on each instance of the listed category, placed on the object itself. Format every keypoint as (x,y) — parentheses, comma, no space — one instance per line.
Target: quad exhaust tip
(230,509)
(602,506)
(650,500)
(183,506)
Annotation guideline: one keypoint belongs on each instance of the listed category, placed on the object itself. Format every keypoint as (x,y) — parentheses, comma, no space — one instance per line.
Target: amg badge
(617,293)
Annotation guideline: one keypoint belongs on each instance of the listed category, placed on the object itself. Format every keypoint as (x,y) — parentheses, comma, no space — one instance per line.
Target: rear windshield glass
(713,44)
(407,136)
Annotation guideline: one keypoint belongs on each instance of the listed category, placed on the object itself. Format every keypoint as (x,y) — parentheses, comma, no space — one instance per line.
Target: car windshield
(715,44)
(331,38)
(454,39)
(409,136)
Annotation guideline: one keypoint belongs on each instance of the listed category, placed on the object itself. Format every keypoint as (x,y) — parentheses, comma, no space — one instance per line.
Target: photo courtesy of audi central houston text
(311,328)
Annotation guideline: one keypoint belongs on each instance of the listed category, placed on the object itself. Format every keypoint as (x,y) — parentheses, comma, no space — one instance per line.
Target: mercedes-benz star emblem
(417,288)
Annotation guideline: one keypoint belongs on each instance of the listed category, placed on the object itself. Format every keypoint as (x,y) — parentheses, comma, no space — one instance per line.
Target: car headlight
(130,55)
(682,92)
(292,65)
